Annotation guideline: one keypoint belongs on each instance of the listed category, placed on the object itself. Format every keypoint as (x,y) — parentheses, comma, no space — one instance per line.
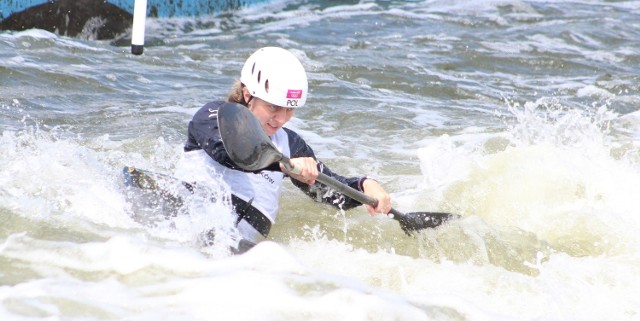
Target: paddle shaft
(342,188)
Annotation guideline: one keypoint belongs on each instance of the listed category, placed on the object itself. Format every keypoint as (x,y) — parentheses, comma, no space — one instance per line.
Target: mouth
(273,124)
(271,128)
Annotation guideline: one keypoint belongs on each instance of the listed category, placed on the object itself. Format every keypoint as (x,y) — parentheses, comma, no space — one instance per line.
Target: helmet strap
(249,101)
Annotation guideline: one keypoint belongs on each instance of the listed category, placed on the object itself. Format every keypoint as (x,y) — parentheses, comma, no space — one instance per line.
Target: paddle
(250,148)
(158,183)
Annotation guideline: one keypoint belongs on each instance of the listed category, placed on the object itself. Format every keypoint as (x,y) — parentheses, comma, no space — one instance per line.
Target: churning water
(521,116)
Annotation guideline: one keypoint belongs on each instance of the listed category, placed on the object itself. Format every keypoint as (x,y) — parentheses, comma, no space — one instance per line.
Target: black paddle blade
(244,139)
(416,221)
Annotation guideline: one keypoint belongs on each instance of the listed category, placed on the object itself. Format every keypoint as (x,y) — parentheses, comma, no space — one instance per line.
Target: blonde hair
(235,94)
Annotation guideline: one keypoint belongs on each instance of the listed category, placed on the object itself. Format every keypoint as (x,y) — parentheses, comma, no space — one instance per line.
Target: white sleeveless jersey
(262,189)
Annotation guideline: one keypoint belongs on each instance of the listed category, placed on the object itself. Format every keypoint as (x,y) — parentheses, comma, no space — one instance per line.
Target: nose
(280,115)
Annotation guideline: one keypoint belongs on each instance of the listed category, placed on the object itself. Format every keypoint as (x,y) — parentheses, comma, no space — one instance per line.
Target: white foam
(31,33)
(48,177)
(549,180)
(591,90)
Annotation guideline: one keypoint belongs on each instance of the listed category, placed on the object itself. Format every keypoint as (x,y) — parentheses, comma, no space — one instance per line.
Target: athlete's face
(270,116)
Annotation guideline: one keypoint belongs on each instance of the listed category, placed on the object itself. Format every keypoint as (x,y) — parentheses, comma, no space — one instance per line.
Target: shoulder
(293,136)
(297,145)
(208,111)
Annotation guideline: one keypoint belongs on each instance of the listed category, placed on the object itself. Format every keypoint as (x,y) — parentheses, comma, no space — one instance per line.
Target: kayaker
(272,84)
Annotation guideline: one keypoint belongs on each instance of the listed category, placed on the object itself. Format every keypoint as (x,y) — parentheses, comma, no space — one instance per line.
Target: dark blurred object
(90,19)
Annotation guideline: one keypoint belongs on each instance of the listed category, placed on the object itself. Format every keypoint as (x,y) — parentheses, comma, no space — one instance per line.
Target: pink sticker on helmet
(294,93)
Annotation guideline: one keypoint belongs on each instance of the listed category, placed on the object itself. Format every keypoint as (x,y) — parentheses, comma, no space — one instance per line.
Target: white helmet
(276,76)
